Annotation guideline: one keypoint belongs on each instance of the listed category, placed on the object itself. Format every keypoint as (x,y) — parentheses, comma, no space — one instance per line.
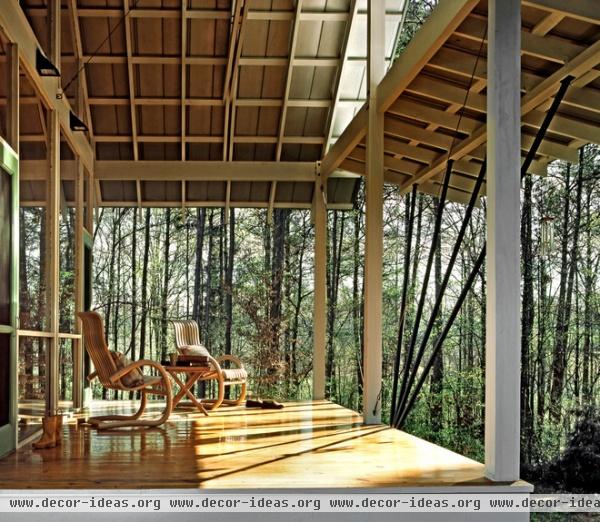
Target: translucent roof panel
(352,89)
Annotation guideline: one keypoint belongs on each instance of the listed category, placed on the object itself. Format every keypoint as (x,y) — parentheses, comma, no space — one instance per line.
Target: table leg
(185,390)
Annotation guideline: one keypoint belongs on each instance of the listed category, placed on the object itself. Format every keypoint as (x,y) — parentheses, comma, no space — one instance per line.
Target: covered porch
(430,124)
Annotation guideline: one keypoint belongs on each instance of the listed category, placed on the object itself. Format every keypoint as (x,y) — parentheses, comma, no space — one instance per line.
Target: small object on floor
(270,404)
(254,403)
(48,438)
(59,425)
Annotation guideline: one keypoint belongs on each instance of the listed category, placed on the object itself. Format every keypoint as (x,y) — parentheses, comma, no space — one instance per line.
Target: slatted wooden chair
(187,339)
(128,377)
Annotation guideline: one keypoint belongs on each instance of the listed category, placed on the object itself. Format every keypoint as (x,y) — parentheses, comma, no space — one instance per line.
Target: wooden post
(320,284)
(12,120)
(374,219)
(502,380)
(78,378)
(52,224)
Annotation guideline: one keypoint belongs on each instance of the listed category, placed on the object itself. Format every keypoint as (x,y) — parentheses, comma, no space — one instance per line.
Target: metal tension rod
(564,85)
(402,319)
(421,304)
(446,279)
(444,333)
(524,168)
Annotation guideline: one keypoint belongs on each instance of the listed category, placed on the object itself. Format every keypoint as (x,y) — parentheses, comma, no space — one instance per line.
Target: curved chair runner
(187,338)
(115,378)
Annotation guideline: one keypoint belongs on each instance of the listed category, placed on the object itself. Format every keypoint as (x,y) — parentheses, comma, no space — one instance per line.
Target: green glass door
(9,241)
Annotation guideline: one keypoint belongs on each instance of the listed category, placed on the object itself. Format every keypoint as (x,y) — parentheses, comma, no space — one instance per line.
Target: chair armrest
(232,358)
(92,376)
(215,363)
(137,364)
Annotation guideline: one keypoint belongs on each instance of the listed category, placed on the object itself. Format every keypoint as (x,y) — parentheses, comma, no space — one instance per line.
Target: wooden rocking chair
(187,337)
(126,378)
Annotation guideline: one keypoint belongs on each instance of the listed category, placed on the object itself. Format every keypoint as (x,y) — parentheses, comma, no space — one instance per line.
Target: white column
(320,284)
(374,219)
(52,224)
(502,378)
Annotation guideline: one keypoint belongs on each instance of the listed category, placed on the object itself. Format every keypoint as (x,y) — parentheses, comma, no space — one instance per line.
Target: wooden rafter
(232,93)
(17,30)
(288,79)
(442,22)
(583,10)
(183,80)
(131,79)
(545,89)
(82,76)
(338,81)
(234,43)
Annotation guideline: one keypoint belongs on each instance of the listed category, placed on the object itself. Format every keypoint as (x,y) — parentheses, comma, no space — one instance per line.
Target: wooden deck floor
(306,445)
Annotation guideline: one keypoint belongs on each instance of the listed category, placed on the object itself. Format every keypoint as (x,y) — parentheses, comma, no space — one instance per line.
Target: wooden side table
(191,374)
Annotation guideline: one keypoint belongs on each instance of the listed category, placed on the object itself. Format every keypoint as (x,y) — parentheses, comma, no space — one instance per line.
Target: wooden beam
(52,254)
(79,287)
(583,10)
(18,30)
(288,79)
(183,77)
(353,8)
(428,40)
(373,276)
(203,171)
(502,347)
(229,130)
(227,201)
(131,77)
(234,36)
(350,138)
(548,48)
(545,89)
(80,64)
(272,193)
(319,211)
(546,24)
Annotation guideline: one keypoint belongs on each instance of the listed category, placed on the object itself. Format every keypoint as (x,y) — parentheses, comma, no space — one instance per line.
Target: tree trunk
(209,282)
(144,319)
(229,282)
(197,306)
(437,372)
(527,317)
(134,301)
(165,288)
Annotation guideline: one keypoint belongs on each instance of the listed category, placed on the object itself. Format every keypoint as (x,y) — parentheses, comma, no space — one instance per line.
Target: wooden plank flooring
(306,445)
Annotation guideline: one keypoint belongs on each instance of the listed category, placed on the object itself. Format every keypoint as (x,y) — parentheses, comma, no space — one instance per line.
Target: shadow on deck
(312,445)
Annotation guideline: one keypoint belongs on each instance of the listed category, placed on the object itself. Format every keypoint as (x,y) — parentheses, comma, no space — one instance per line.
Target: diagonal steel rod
(439,298)
(444,333)
(421,304)
(564,85)
(401,321)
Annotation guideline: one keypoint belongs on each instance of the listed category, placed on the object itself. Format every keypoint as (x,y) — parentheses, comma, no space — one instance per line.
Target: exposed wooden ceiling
(443,69)
(209,80)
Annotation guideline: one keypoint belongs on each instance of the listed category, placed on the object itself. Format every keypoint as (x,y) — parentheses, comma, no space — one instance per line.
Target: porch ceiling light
(76,124)
(44,66)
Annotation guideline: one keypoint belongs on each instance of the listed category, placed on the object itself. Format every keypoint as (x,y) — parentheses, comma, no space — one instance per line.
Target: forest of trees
(248,283)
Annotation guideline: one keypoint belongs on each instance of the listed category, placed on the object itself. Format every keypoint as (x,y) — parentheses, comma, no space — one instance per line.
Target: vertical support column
(374,219)
(320,283)
(78,381)
(12,119)
(52,223)
(502,379)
